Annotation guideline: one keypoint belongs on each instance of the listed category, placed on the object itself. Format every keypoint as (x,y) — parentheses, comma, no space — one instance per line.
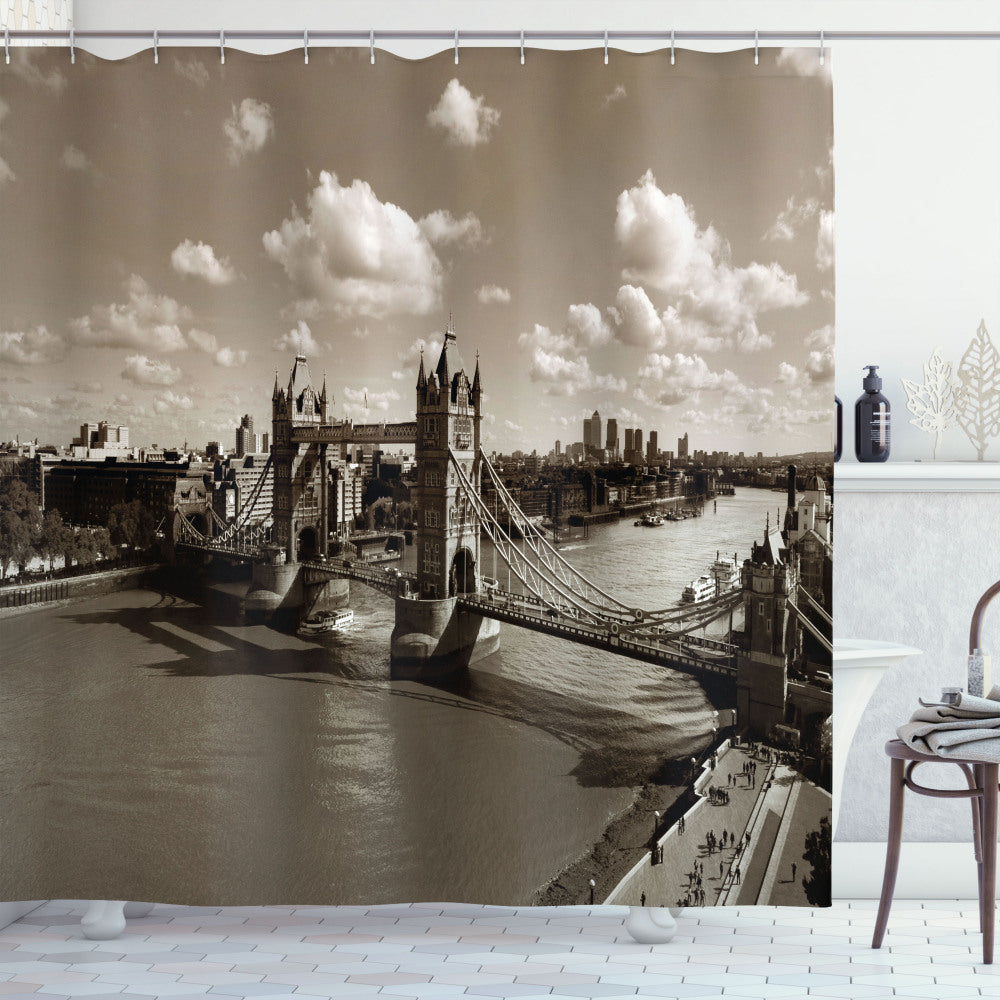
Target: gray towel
(968,729)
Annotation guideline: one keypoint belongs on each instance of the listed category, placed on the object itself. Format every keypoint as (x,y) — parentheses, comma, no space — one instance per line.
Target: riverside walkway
(767,809)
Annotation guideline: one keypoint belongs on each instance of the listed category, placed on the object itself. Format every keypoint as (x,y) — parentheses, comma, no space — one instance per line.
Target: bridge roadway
(689,654)
(351,433)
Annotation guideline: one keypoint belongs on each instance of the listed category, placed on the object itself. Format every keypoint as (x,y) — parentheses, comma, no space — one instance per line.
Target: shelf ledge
(917,477)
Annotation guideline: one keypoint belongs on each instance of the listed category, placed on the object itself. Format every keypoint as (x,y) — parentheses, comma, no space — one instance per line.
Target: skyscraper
(652,449)
(629,443)
(244,436)
(637,441)
(612,439)
(682,448)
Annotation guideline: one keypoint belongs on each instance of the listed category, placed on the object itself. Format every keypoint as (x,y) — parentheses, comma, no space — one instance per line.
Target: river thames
(179,756)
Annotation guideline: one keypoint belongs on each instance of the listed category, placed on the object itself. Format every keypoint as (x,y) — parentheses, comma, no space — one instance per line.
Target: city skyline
(634,275)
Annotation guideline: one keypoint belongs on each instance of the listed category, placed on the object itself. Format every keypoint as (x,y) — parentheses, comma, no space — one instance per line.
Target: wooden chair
(982,793)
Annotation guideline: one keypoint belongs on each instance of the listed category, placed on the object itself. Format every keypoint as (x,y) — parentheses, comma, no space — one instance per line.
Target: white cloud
(467,120)
(248,128)
(430,348)
(192,70)
(398,376)
(553,365)
(820,365)
(203,341)
(199,260)
(586,325)
(299,340)
(825,241)
(791,218)
(707,296)
(76,159)
(442,228)
(804,61)
(228,357)
(492,295)
(670,379)
(148,371)
(36,346)
(511,426)
(618,94)
(23,63)
(788,374)
(364,400)
(638,324)
(355,255)
(147,321)
(170,402)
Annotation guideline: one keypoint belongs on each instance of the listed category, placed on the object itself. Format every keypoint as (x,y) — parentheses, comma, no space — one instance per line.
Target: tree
(20,523)
(15,541)
(817,853)
(132,524)
(85,549)
(934,404)
(52,537)
(102,543)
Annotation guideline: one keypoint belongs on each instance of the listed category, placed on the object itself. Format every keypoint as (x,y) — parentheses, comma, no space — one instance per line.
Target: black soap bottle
(838,441)
(871,420)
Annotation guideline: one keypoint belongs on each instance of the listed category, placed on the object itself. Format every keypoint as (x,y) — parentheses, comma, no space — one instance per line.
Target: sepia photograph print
(416,477)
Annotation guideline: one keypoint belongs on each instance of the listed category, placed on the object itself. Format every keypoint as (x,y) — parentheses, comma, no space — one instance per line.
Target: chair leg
(977,831)
(987,895)
(896,790)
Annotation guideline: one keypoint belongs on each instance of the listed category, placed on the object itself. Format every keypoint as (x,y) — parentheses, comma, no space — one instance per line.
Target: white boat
(651,520)
(699,590)
(726,572)
(326,621)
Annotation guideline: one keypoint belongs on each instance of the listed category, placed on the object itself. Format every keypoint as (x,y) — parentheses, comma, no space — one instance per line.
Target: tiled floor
(932,952)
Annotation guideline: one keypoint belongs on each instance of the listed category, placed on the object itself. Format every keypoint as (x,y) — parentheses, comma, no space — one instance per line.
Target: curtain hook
(605,46)
(222,46)
(822,47)
(671,46)
(305,45)
(756,47)
(156,46)
(456,46)
(522,46)
(72,45)
(6,43)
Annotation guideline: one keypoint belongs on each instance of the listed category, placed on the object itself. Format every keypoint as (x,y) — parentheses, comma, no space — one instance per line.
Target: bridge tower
(301,481)
(432,635)
(769,576)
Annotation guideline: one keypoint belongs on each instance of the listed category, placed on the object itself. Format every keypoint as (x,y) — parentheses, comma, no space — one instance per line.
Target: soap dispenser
(871,420)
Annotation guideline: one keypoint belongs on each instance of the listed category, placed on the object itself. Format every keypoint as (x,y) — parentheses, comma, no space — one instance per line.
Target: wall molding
(926,871)
(916,477)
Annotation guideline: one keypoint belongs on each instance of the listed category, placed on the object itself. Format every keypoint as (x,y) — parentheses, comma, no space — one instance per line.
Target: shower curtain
(418,477)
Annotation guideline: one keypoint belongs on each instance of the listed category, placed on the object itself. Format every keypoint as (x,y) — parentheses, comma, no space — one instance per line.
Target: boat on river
(326,621)
(650,520)
(698,590)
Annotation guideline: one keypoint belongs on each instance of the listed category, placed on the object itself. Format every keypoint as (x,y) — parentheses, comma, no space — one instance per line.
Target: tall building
(101,440)
(213,450)
(596,441)
(245,443)
(637,441)
(652,449)
(558,447)
(682,448)
(611,443)
(629,443)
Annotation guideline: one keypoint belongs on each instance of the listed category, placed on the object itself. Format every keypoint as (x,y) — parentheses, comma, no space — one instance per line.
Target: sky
(651,241)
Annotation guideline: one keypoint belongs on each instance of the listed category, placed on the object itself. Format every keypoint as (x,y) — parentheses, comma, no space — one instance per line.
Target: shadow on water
(605,738)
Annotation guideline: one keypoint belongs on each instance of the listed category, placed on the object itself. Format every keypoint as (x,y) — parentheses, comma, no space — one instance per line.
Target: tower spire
(274,395)
(421,375)
(477,385)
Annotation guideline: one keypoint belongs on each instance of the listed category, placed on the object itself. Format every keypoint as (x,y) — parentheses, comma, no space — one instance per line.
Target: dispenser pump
(872,382)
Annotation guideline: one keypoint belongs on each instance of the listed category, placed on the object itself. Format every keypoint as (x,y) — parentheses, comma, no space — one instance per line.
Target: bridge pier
(288,587)
(435,638)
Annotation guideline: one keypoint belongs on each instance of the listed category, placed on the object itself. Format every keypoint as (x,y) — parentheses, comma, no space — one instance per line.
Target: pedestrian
(739,876)
(724,835)
(794,869)
(642,899)
(720,869)
(748,838)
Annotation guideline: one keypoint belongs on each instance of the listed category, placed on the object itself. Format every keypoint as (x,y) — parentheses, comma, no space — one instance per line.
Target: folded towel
(969,729)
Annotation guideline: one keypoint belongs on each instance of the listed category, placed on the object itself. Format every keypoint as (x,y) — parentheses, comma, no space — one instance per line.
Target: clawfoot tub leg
(104,920)
(650,924)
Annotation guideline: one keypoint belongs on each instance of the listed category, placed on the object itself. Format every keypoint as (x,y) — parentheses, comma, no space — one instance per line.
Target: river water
(150,749)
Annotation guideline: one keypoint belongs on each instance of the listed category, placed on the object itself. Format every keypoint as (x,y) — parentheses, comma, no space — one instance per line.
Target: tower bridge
(447,615)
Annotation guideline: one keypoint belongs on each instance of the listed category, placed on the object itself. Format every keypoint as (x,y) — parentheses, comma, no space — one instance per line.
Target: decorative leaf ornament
(934,404)
(978,408)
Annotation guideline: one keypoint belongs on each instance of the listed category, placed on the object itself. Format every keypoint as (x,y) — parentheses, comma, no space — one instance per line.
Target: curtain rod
(377,34)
